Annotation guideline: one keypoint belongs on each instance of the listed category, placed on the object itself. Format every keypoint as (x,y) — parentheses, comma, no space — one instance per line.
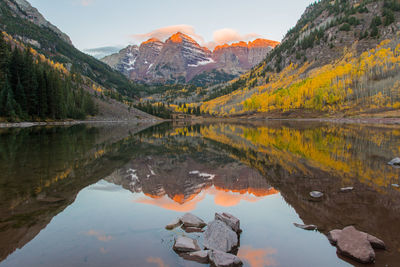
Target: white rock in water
(175,223)
(394,162)
(346,189)
(396,185)
(185,244)
(354,244)
(222,259)
(306,226)
(229,220)
(190,220)
(219,236)
(316,194)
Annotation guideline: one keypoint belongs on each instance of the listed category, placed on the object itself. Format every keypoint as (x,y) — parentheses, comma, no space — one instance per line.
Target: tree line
(33,89)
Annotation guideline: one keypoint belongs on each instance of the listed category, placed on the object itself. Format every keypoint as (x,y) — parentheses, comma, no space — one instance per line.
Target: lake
(101,194)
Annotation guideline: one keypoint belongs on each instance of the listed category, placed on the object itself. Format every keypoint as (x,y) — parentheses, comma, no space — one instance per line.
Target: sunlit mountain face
(103,194)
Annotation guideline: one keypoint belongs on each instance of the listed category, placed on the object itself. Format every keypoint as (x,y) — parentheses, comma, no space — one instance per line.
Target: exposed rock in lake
(355,244)
(333,236)
(219,236)
(201,256)
(222,259)
(396,185)
(316,195)
(395,162)
(175,223)
(229,220)
(185,244)
(346,189)
(306,226)
(190,220)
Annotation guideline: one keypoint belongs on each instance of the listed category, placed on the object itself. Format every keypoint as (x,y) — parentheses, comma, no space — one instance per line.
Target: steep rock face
(180,59)
(23,9)
(125,60)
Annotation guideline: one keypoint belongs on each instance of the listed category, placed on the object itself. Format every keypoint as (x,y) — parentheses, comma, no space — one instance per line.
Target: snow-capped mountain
(182,59)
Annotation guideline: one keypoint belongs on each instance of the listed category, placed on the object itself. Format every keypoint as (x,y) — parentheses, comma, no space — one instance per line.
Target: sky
(116,23)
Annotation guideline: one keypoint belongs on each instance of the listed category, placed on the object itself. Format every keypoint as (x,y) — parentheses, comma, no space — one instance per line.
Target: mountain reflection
(177,167)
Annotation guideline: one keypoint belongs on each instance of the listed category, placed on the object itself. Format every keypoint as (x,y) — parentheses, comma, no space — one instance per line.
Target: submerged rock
(346,189)
(306,226)
(185,244)
(395,162)
(229,220)
(219,236)
(190,220)
(201,256)
(175,223)
(222,259)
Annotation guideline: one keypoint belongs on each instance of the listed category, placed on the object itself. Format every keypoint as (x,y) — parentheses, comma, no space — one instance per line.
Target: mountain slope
(22,21)
(342,57)
(181,59)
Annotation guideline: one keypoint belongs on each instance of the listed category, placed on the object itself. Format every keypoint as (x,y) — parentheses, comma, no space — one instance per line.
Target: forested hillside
(33,87)
(25,23)
(342,57)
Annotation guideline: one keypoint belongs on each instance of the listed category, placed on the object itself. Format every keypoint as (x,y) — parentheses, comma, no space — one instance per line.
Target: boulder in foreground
(229,220)
(190,220)
(198,256)
(185,244)
(219,236)
(175,223)
(222,259)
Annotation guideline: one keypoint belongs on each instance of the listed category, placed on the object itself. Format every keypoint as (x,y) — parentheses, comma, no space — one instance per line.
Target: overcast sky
(100,23)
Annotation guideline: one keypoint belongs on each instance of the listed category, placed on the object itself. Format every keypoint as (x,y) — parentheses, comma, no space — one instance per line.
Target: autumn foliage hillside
(341,57)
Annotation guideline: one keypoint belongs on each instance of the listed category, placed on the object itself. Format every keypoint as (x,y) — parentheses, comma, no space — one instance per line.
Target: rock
(219,236)
(316,194)
(396,185)
(185,244)
(333,236)
(175,223)
(229,220)
(354,244)
(190,220)
(192,230)
(201,256)
(222,259)
(376,242)
(306,226)
(394,162)
(346,189)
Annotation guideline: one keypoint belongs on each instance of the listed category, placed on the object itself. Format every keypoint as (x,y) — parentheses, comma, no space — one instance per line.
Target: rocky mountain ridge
(181,59)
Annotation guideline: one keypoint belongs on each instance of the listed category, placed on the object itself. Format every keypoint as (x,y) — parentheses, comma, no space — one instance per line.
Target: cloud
(165,32)
(86,2)
(228,36)
(257,257)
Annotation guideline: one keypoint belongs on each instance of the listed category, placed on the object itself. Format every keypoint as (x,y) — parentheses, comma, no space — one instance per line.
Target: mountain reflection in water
(129,183)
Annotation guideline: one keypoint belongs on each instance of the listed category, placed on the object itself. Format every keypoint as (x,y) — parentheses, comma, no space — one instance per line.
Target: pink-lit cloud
(158,261)
(220,37)
(165,32)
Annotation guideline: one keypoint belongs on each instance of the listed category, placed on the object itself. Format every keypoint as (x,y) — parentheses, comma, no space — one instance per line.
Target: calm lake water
(101,195)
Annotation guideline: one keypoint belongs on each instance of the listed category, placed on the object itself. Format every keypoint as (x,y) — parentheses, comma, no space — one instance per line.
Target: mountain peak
(152,40)
(178,37)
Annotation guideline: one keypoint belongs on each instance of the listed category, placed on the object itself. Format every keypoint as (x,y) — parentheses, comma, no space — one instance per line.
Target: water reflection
(253,171)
